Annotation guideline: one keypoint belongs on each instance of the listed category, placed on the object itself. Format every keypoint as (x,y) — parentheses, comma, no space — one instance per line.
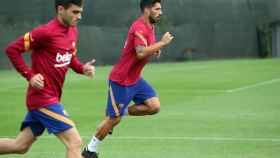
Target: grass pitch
(213,109)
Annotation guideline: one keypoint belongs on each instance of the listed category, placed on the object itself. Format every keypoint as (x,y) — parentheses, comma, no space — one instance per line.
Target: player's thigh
(70,137)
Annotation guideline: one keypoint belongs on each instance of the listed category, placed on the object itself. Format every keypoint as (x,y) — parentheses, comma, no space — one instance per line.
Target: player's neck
(147,20)
(60,20)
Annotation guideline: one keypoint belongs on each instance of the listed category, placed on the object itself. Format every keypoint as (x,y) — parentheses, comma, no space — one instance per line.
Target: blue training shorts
(120,96)
(52,117)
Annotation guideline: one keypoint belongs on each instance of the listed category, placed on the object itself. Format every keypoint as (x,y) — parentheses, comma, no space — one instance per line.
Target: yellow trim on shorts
(115,107)
(57,116)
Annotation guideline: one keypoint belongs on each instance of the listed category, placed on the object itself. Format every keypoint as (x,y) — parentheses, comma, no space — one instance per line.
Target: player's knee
(154,106)
(21,149)
(155,109)
(115,121)
(75,144)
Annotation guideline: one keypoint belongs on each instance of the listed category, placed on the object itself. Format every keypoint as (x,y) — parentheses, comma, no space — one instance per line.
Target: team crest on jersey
(63,60)
(74,44)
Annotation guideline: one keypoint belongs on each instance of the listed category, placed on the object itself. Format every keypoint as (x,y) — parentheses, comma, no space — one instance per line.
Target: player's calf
(106,126)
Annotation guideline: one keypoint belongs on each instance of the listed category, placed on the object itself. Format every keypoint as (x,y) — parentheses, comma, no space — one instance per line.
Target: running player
(54,50)
(125,81)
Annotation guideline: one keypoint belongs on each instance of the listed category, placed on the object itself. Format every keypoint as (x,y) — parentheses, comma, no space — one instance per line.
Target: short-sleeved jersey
(53,48)
(128,69)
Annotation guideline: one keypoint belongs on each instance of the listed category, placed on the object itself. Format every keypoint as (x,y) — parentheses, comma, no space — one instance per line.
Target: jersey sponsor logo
(63,60)
(74,44)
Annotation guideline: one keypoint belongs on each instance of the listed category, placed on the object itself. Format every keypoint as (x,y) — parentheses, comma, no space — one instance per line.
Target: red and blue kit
(53,51)
(125,81)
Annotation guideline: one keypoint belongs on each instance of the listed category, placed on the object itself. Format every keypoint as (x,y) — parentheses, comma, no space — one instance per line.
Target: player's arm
(143,51)
(14,52)
(23,44)
(76,65)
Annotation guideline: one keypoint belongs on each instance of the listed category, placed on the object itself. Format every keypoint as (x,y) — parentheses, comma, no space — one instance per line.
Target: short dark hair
(67,3)
(148,3)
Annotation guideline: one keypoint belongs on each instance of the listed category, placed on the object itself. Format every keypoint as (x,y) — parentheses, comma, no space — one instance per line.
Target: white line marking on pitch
(198,138)
(253,86)
(179,138)
(191,90)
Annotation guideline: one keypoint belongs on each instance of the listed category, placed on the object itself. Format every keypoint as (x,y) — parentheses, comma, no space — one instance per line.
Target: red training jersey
(53,48)
(128,69)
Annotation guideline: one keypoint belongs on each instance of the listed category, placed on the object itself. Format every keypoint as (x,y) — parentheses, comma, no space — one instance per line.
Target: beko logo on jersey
(63,60)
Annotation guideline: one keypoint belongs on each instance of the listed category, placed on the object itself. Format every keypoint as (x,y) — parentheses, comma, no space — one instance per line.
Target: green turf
(213,109)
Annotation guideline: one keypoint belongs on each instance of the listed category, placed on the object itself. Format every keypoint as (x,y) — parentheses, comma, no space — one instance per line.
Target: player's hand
(158,53)
(89,69)
(167,38)
(37,81)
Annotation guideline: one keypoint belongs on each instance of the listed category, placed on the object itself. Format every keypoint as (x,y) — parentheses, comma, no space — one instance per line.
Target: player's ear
(60,9)
(147,11)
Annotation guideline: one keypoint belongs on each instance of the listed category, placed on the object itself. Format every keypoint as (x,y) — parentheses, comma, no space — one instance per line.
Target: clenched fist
(166,38)
(89,69)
